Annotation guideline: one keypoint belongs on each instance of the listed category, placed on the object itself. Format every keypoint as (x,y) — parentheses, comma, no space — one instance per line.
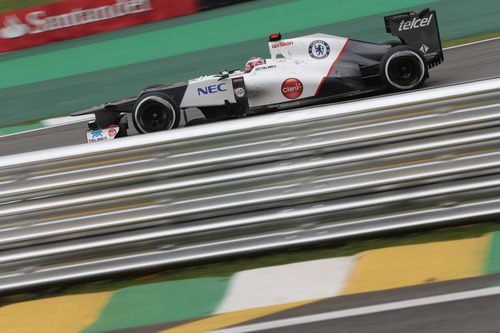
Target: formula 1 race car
(301,71)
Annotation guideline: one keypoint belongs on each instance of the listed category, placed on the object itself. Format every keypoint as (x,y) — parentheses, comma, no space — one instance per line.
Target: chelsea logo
(319,49)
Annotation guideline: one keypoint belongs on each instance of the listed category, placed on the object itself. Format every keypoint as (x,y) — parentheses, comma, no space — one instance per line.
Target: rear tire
(155,112)
(403,67)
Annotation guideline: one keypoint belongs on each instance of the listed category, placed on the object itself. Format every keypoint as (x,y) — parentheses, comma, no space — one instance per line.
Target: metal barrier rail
(394,162)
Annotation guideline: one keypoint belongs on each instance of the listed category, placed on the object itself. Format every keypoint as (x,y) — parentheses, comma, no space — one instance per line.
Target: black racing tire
(403,67)
(155,112)
(392,43)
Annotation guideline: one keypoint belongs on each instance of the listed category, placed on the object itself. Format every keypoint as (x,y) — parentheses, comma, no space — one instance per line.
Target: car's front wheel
(403,67)
(155,112)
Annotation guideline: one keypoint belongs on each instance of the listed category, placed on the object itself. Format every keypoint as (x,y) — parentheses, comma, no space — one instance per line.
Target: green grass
(20,128)
(10,5)
(229,267)
(471,39)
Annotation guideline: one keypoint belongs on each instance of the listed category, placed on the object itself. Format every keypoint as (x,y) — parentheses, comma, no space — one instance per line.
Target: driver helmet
(255,61)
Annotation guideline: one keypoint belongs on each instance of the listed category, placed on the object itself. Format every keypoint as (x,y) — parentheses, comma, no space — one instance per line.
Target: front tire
(403,68)
(155,112)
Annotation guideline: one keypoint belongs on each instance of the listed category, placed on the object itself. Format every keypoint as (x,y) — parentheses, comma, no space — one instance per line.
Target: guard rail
(424,158)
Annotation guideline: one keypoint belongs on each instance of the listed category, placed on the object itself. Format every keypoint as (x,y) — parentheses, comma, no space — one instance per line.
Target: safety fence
(392,163)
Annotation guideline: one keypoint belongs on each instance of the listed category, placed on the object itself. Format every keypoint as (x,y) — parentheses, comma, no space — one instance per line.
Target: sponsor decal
(112,132)
(38,21)
(415,23)
(238,79)
(68,19)
(212,89)
(319,49)
(282,44)
(265,67)
(292,88)
(97,134)
(424,48)
(103,134)
(239,92)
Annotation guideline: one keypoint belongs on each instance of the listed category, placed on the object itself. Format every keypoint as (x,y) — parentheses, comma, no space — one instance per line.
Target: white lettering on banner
(14,28)
(415,23)
(39,22)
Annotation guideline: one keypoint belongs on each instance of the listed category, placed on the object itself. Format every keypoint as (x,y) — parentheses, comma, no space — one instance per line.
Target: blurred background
(436,161)
(74,74)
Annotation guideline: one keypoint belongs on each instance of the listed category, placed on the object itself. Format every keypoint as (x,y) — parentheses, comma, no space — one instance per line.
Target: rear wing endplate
(419,30)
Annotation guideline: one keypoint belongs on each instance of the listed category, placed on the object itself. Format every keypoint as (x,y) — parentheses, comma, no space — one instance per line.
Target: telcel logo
(212,89)
(415,23)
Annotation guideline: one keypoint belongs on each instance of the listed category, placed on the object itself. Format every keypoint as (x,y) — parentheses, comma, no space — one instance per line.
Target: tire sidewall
(161,98)
(400,51)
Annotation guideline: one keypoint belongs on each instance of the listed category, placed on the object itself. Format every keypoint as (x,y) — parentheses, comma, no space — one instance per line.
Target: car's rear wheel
(403,67)
(155,112)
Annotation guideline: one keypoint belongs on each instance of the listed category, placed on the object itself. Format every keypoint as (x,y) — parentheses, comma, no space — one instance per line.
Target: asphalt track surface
(462,64)
(478,314)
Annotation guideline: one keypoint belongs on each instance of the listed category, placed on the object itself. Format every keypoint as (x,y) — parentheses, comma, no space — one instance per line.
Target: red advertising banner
(76,18)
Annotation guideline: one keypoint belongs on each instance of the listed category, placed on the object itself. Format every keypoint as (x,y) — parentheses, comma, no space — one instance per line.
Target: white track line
(471,43)
(52,123)
(363,310)
(290,283)
(60,121)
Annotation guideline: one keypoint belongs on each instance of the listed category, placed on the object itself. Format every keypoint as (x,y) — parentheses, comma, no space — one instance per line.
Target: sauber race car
(301,71)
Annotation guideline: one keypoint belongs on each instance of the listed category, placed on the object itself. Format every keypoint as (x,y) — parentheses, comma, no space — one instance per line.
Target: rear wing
(419,30)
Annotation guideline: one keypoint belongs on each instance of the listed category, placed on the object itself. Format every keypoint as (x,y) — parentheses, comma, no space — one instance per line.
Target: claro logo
(292,88)
(415,23)
(37,21)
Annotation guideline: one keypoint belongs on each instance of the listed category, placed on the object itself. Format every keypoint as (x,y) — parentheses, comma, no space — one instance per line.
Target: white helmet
(255,61)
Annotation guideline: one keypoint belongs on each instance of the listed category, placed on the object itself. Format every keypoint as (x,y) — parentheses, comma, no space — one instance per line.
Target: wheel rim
(405,70)
(154,114)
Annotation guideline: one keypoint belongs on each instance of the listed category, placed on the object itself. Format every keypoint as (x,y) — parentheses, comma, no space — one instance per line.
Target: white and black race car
(301,71)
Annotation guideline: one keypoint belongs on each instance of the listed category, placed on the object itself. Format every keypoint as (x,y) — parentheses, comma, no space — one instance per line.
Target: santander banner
(76,18)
